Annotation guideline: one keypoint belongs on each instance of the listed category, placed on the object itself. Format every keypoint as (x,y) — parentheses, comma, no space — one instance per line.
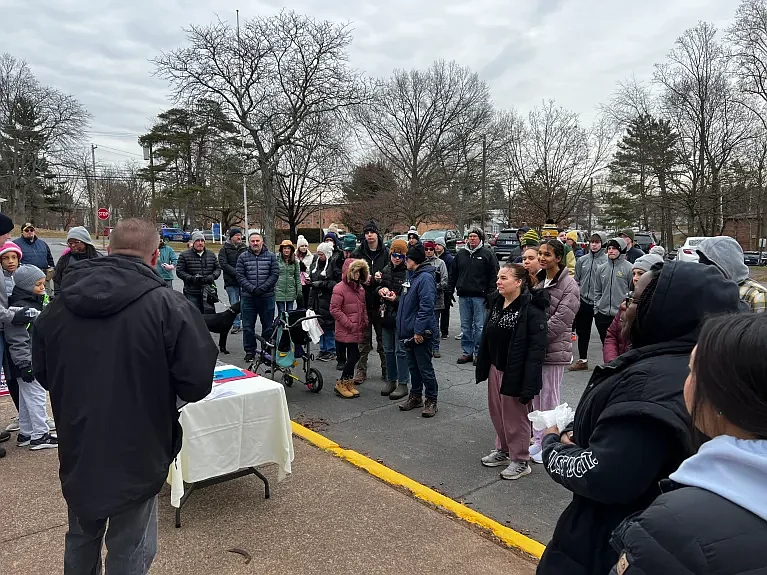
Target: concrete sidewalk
(328,517)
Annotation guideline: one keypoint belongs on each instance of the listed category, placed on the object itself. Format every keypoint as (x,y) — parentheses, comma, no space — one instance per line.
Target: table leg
(184,497)
(264,479)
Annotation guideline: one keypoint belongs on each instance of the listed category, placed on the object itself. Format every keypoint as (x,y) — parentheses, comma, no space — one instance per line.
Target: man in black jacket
(227,259)
(472,276)
(199,269)
(115,408)
(633,251)
(374,252)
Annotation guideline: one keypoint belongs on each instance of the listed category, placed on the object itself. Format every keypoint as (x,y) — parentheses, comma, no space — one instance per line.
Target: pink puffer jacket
(348,303)
(564,301)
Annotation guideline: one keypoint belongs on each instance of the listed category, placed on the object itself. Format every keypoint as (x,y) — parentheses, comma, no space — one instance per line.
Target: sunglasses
(398,256)
(29,229)
(428,249)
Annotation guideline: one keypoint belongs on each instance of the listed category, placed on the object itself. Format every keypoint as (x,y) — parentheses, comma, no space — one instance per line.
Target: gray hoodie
(586,271)
(441,277)
(613,282)
(726,255)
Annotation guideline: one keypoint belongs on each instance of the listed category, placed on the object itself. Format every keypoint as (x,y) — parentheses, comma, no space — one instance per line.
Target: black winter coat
(377,261)
(691,531)
(631,427)
(19,298)
(527,348)
(320,296)
(191,264)
(473,274)
(392,278)
(227,259)
(115,402)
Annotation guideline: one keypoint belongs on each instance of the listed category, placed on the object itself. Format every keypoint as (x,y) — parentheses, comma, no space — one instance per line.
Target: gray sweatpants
(32,412)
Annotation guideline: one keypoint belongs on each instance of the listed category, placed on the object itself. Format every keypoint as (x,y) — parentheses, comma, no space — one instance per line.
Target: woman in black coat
(510,358)
(712,517)
(323,277)
(631,427)
(393,276)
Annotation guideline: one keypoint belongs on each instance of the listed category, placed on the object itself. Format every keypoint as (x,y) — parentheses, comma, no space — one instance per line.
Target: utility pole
(95,192)
(484,178)
(242,133)
(151,182)
(591,203)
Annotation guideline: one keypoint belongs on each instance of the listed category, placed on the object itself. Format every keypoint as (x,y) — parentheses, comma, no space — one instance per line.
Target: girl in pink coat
(347,306)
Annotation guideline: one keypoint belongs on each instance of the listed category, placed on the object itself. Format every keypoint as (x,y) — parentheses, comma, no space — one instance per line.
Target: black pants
(583,320)
(603,323)
(444,321)
(351,351)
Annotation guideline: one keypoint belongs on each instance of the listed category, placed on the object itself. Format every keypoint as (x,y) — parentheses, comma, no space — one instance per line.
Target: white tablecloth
(242,423)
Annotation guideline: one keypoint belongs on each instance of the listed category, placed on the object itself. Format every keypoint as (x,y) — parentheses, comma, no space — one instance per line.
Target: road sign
(103,214)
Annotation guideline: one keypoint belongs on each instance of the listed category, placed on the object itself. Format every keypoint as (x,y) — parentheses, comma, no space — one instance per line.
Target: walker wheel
(314,380)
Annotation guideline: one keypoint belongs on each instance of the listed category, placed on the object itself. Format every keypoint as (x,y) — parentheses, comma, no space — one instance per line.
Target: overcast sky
(527,50)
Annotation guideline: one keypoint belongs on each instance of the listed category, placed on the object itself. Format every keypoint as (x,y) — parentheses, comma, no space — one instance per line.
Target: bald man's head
(135,237)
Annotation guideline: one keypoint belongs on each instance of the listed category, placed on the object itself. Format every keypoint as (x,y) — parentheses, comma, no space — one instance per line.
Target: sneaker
(51,424)
(459,336)
(47,441)
(496,458)
(4,436)
(250,357)
(23,440)
(443,336)
(580,365)
(323,356)
(516,469)
(13,425)
(535,449)
(537,457)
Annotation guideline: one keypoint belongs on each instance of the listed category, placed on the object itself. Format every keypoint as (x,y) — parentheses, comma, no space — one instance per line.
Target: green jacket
(167,256)
(289,283)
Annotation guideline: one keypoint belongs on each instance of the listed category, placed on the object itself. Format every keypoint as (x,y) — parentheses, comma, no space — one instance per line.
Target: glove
(209,280)
(21,317)
(316,285)
(197,279)
(26,374)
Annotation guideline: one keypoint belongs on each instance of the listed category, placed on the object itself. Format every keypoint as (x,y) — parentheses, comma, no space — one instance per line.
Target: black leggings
(583,321)
(603,324)
(352,353)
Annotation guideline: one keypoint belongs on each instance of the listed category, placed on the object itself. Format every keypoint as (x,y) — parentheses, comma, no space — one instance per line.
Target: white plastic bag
(561,416)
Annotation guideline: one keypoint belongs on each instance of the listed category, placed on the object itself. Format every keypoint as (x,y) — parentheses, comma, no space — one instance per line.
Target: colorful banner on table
(224,373)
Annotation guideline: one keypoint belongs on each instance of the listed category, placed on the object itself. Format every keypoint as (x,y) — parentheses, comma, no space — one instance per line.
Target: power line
(120,151)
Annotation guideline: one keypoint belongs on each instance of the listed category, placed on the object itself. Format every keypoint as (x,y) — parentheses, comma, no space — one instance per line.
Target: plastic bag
(561,416)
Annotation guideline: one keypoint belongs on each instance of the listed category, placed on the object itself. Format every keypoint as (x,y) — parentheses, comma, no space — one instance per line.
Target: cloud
(574,51)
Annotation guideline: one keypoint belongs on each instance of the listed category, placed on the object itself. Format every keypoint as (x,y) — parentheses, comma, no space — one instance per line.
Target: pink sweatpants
(549,396)
(509,417)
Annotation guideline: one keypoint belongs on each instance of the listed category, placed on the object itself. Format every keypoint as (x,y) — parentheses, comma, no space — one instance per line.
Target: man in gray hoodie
(726,255)
(613,282)
(586,271)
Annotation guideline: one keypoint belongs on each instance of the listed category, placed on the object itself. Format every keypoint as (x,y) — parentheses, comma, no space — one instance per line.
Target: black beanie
(6,224)
(417,253)
(370,226)
(479,232)
(234,231)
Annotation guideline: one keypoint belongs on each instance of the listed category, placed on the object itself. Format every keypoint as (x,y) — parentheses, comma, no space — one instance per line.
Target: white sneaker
(496,458)
(459,336)
(13,425)
(516,469)
(535,449)
(538,457)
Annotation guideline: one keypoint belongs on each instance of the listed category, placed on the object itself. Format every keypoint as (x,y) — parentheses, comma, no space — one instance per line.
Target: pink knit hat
(9,246)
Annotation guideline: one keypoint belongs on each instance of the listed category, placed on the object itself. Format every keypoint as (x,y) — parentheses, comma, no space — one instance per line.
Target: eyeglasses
(73,243)
(428,249)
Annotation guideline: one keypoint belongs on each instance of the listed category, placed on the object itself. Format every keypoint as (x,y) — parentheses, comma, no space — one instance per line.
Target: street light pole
(242,133)
(95,192)
(484,178)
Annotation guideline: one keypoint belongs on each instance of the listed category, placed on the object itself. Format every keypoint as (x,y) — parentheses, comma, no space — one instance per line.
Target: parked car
(688,253)
(387,243)
(450,237)
(754,258)
(645,241)
(174,235)
(507,244)
(582,241)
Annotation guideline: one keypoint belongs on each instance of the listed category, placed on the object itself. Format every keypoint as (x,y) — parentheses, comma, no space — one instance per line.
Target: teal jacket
(289,283)
(167,256)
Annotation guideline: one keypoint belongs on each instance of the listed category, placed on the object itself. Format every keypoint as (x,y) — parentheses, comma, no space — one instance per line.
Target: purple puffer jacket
(565,299)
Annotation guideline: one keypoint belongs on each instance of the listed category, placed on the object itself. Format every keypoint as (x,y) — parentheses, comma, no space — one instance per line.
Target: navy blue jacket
(36,252)
(257,274)
(416,308)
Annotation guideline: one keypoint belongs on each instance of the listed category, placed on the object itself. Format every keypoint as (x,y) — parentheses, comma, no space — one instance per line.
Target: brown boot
(413,402)
(430,409)
(359,377)
(580,365)
(342,389)
(465,359)
(353,390)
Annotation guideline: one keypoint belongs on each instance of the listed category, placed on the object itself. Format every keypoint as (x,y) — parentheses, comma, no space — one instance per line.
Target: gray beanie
(646,262)
(440,241)
(198,235)
(726,255)
(80,233)
(26,276)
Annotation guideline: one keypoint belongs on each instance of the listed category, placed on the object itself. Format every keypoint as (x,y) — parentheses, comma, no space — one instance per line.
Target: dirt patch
(316,424)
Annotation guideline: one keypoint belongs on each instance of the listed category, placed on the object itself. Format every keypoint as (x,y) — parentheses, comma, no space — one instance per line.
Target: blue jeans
(396,358)
(284,306)
(472,310)
(328,341)
(421,370)
(131,541)
(252,308)
(233,293)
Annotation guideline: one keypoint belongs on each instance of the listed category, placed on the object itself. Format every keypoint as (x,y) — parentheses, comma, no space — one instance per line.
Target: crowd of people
(666,433)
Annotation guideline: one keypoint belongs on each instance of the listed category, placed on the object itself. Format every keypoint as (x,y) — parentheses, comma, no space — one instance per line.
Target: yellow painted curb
(507,535)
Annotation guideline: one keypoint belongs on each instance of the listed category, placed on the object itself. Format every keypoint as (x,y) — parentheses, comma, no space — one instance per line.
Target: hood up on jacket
(603,239)
(620,242)
(726,255)
(732,468)
(350,266)
(686,293)
(102,287)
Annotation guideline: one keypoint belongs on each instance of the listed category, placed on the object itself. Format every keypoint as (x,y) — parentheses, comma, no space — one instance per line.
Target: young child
(10,256)
(28,291)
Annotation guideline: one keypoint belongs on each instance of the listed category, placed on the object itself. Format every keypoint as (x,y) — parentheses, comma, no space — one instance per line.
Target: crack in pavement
(30,534)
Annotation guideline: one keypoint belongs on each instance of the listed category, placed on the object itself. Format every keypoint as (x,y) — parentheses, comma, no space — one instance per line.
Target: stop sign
(103,214)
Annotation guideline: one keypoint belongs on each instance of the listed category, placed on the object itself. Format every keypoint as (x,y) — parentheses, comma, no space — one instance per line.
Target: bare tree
(748,40)
(272,77)
(631,99)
